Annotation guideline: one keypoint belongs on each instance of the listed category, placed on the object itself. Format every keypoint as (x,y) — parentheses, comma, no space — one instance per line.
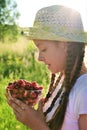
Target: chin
(54,72)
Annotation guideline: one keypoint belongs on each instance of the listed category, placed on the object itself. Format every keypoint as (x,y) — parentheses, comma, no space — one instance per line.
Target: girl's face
(53,54)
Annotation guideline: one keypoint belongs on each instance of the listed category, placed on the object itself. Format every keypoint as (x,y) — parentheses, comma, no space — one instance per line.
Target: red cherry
(10,87)
(34,84)
(33,95)
(22,82)
(25,93)
(15,91)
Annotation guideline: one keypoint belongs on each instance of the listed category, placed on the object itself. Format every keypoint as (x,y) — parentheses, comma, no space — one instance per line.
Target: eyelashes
(43,50)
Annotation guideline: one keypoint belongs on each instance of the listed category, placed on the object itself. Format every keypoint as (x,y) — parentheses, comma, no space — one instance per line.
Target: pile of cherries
(28,92)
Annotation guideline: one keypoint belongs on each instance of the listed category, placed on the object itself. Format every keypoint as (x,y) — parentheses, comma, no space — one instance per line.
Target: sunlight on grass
(18,46)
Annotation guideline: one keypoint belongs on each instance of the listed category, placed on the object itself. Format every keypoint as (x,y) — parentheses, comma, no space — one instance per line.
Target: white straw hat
(58,23)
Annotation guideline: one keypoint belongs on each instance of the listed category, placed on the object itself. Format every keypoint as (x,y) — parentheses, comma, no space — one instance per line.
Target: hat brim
(59,35)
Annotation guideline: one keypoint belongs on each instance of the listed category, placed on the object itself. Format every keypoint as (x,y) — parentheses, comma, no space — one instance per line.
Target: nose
(40,57)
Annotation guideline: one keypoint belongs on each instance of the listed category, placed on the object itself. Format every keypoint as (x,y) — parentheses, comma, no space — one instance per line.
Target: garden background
(18,60)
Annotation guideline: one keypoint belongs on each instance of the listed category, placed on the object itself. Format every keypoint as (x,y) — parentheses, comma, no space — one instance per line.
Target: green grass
(18,60)
(16,47)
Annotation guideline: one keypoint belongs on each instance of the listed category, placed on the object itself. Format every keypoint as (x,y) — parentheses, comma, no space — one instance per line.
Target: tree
(8,17)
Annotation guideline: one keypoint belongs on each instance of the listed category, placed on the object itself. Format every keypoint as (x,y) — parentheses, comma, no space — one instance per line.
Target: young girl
(59,36)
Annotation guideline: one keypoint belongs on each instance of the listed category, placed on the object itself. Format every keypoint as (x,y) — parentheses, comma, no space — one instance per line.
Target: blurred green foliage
(15,66)
(8,17)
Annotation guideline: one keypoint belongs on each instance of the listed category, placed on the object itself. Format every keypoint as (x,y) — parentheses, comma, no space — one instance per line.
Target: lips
(48,65)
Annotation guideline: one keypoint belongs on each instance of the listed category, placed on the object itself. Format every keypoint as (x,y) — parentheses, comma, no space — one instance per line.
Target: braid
(52,86)
(75,54)
(70,61)
(81,53)
(52,82)
(53,102)
(51,89)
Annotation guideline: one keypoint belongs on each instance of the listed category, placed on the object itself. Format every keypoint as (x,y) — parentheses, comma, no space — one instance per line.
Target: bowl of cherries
(27,92)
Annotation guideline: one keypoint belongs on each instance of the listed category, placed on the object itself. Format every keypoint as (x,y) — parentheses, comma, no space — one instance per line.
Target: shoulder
(81,83)
(80,91)
(82,79)
(80,87)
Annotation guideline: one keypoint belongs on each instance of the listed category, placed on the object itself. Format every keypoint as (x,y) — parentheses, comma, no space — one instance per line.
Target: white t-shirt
(77,104)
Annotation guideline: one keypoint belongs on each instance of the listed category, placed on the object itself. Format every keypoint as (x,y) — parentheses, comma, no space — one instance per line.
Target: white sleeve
(81,101)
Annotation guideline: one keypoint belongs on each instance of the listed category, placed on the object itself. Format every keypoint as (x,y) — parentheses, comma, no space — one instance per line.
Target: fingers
(40,108)
(18,105)
(7,96)
(40,105)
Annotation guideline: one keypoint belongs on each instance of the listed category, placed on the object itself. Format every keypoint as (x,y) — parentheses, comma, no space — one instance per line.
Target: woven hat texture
(58,23)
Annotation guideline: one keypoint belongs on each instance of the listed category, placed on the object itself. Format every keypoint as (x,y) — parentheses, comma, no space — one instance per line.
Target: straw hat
(58,23)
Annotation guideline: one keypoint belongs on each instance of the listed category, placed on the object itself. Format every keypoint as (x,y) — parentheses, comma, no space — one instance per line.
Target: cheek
(60,61)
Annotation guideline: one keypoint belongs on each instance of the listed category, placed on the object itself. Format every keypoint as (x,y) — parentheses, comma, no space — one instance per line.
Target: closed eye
(43,50)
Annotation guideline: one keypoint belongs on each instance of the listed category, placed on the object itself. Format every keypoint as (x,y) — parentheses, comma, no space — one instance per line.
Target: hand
(30,117)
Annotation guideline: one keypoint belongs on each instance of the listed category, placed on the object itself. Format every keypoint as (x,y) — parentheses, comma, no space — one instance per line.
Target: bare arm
(83,122)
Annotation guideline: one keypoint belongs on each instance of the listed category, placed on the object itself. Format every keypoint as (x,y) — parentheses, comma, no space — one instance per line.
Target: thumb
(40,105)
(40,108)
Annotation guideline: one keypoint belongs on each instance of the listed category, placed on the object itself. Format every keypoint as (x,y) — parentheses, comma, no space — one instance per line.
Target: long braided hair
(74,62)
